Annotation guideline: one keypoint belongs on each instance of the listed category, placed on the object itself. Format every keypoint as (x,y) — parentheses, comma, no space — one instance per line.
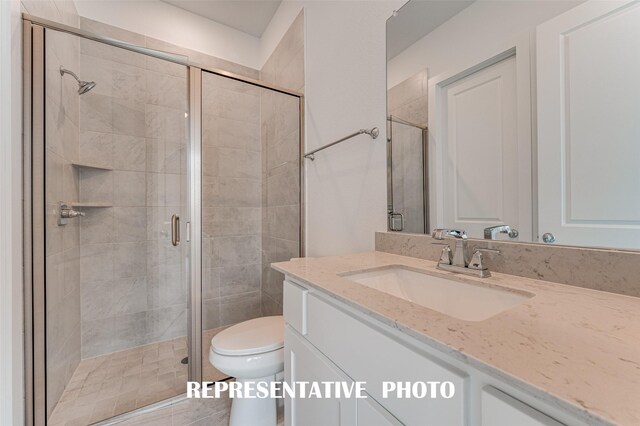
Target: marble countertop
(572,347)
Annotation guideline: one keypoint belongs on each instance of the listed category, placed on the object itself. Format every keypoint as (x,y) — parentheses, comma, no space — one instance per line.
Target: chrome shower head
(83,86)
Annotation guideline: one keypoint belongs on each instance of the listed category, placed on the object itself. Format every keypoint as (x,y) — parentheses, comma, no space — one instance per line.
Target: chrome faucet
(463,260)
(492,232)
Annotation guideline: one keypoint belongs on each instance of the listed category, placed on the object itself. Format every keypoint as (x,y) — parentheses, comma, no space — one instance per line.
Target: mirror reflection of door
(477,169)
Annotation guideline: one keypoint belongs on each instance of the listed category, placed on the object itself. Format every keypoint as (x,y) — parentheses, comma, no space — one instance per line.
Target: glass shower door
(407,178)
(116,190)
(250,202)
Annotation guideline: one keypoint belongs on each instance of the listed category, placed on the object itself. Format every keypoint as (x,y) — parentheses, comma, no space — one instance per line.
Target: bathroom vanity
(532,353)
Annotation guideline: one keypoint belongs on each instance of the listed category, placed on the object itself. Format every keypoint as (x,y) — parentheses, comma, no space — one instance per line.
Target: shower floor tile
(113,384)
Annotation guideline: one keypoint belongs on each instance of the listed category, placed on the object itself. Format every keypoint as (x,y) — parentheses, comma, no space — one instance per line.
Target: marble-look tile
(284,188)
(166,90)
(96,185)
(270,307)
(129,83)
(165,123)
(231,221)
(128,118)
(599,269)
(54,165)
(155,189)
(211,313)
(205,411)
(240,279)
(96,262)
(240,307)
(96,113)
(173,190)
(241,250)
(166,322)
(166,288)
(113,298)
(129,153)
(239,163)
(96,148)
(130,224)
(97,226)
(239,192)
(129,260)
(211,283)
(284,222)
(409,90)
(158,223)
(129,188)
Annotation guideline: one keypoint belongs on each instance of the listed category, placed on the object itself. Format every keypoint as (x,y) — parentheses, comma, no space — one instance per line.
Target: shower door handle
(175,229)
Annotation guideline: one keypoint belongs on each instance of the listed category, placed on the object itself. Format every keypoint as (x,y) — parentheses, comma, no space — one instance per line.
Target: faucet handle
(441,233)
(476,261)
(446,256)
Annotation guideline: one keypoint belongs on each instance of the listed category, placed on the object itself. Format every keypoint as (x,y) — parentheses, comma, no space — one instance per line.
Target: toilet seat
(256,336)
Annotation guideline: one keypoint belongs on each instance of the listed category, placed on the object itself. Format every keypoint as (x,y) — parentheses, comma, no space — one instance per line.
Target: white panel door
(588,84)
(481,174)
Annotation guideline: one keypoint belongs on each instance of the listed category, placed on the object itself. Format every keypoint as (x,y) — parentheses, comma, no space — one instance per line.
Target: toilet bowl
(251,351)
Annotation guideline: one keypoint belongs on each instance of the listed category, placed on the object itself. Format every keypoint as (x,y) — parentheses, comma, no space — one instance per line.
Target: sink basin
(465,301)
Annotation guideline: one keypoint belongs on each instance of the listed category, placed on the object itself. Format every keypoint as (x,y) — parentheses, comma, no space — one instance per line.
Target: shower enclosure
(407,177)
(157,193)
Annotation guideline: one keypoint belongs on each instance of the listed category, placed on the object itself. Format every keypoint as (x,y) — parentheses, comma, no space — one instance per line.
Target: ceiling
(248,16)
(416,19)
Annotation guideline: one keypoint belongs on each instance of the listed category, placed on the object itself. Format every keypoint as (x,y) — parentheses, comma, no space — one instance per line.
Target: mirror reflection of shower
(83,86)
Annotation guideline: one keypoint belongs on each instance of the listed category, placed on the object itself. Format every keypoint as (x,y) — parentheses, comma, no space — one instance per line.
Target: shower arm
(64,71)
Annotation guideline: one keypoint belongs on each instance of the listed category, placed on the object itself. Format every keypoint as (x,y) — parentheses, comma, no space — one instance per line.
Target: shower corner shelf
(91,166)
(94,204)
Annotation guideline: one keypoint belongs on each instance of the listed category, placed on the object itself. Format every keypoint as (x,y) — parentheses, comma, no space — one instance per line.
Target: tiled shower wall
(409,101)
(134,123)
(280,162)
(62,242)
(231,195)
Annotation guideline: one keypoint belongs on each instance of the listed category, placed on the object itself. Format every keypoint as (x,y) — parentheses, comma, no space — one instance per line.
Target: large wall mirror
(516,120)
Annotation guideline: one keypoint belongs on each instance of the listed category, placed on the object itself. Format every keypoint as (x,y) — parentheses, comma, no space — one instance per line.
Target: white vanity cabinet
(304,363)
(327,340)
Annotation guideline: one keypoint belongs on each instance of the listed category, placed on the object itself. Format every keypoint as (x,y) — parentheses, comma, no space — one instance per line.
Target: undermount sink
(465,301)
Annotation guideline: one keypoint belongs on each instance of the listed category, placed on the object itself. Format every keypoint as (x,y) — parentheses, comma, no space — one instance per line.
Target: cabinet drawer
(371,355)
(500,409)
(295,306)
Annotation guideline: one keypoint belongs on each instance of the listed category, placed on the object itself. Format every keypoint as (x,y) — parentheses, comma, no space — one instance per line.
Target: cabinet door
(500,409)
(370,413)
(303,363)
(588,108)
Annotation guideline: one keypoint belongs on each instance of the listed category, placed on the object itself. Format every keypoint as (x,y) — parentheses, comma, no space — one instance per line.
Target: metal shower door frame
(34,203)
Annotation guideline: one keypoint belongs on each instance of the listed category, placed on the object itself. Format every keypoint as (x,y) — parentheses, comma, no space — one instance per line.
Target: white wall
(477,31)
(345,187)
(11,324)
(168,23)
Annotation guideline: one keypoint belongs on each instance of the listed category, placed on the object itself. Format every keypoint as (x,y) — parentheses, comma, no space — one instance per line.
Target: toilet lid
(255,336)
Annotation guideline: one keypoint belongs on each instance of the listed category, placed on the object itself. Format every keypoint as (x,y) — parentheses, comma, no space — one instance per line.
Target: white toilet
(251,351)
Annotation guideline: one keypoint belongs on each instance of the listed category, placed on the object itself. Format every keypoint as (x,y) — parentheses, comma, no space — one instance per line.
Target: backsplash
(608,270)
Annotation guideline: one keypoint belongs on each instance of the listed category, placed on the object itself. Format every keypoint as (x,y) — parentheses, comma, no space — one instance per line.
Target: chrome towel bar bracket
(373,132)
